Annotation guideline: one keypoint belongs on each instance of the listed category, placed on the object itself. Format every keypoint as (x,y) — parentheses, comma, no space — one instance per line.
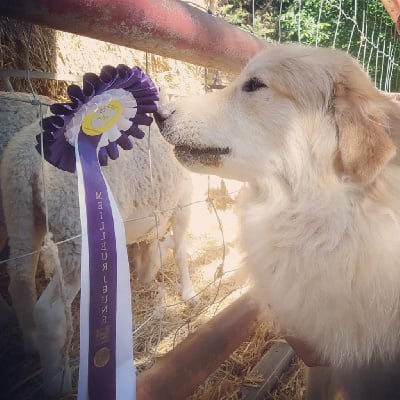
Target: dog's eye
(253,84)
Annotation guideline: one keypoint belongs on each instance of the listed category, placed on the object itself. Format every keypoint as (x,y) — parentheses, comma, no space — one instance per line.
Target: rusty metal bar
(271,367)
(177,375)
(393,9)
(19,73)
(169,28)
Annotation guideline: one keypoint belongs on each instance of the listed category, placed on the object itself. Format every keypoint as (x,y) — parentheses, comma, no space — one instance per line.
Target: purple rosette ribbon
(60,152)
(80,136)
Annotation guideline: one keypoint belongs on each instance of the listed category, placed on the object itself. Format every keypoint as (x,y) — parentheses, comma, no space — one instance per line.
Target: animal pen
(175,29)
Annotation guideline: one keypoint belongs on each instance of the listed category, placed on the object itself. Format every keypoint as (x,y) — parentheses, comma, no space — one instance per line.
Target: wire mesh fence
(161,317)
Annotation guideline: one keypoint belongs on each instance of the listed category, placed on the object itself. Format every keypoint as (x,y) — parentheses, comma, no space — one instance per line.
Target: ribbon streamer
(106,340)
(80,137)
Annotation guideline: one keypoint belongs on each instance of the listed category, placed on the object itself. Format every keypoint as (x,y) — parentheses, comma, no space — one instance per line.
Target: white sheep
(45,322)
(16,111)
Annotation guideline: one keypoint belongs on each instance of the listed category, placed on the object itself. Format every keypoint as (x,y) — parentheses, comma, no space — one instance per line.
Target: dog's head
(294,110)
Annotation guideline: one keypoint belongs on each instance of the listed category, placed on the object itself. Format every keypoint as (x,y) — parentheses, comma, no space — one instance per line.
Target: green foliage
(362,27)
(239,12)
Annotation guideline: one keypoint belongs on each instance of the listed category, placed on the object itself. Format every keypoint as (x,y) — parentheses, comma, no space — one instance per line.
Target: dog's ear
(363,122)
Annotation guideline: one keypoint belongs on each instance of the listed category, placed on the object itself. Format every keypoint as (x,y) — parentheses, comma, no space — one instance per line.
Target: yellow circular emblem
(102,119)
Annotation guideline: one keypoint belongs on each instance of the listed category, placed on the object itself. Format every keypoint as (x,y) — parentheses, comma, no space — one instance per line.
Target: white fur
(45,323)
(16,111)
(320,228)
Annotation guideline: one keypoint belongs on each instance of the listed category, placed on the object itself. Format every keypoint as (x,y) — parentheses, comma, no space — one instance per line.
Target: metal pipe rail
(169,28)
(176,375)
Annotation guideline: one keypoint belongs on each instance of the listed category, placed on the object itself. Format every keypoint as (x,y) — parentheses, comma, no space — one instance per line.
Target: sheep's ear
(365,146)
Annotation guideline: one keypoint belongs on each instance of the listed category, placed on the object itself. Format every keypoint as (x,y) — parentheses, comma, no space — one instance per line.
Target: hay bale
(25,46)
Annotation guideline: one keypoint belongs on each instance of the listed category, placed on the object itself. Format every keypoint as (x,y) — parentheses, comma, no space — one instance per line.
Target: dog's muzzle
(190,155)
(161,117)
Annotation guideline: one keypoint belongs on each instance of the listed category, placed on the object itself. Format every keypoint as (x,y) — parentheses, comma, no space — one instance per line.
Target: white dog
(321,217)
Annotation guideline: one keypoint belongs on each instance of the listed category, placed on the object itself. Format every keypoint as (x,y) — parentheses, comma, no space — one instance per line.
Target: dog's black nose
(159,118)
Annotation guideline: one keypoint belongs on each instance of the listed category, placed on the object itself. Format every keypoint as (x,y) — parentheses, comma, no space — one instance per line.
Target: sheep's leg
(149,257)
(22,286)
(26,230)
(150,260)
(54,322)
(180,221)
(136,253)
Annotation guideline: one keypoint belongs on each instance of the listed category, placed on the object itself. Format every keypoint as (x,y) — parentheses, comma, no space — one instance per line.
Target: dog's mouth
(208,156)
